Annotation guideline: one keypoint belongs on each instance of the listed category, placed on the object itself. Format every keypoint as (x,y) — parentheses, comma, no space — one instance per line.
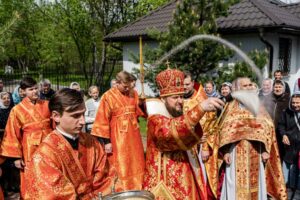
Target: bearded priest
(172,169)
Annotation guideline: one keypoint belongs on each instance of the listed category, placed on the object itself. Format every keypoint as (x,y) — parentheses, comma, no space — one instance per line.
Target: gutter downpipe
(270,48)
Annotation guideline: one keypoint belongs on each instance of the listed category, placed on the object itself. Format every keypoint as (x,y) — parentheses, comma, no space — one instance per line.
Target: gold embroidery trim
(165,168)
(159,166)
(176,136)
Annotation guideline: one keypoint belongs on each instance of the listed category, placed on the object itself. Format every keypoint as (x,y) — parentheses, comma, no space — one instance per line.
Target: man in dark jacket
(278,76)
(289,128)
(277,101)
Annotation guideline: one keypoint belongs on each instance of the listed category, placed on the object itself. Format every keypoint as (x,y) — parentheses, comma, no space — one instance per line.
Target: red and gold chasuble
(117,120)
(206,123)
(251,134)
(170,174)
(59,172)
(26,127)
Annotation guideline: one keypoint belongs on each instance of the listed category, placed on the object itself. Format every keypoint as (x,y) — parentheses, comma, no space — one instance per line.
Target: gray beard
(249,99)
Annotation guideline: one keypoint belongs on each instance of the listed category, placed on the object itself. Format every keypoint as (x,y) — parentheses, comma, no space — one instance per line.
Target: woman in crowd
(5,108)
(226,89)
(18,95)
(289,129)
(10,179)
(210,89)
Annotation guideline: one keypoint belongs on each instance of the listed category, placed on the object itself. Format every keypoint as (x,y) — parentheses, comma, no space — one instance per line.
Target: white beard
(249,99)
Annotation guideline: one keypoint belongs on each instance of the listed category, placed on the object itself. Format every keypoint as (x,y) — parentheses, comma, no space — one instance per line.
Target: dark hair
(67,100)
(188,74)
(278,82)
(124,76)
(133,77)
(209,82)
(295,96)
(278,71)
(27,82)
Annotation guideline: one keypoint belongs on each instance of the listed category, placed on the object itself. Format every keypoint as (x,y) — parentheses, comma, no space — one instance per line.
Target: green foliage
(192,17)
(143,7)
(143,126)
(241,69)
(63,35)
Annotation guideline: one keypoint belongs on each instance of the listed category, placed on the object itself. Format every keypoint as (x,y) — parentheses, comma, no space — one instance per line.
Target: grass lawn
(143,126)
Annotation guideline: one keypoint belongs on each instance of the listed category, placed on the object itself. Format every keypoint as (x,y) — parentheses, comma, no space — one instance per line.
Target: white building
(255,24)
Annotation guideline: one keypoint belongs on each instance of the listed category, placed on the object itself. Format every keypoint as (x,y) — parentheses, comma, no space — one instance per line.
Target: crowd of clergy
(232,141)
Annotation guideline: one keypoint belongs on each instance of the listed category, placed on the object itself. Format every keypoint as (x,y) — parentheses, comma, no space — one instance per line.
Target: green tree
(20,45)
(241,69)
(191,17)
(60,35)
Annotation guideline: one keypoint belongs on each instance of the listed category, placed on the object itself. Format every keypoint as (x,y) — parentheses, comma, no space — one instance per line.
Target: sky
(290,1)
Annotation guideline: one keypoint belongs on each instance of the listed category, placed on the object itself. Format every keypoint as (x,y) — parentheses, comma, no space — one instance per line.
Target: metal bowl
(131,195)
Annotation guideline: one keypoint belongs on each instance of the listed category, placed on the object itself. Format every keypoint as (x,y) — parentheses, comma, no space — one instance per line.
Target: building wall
(130,49)
(294,63)
(246,42)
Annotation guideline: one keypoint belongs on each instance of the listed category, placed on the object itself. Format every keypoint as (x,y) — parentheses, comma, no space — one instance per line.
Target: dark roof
(249,14)
(293,8)
(245,15)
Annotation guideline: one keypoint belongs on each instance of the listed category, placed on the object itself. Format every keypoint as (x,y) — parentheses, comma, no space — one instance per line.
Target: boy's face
(32,93)
(70,122)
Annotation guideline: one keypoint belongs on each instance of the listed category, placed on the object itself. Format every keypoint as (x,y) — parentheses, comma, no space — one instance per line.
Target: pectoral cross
(194,114)
(168,64)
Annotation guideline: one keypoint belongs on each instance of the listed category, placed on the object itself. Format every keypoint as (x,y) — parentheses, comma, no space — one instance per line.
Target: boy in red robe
(68,164)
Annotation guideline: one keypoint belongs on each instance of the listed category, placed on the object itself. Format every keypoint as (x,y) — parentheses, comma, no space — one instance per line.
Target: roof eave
(255,29)
(130,38)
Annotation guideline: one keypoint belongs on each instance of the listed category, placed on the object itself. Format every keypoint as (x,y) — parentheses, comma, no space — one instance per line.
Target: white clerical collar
(73,137)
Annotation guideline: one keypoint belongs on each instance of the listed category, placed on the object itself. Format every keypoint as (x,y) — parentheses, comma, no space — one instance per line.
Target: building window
(285,48)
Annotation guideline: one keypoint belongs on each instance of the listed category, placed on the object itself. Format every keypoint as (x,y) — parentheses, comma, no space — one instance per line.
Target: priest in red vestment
(28,123)
(172,165)
(68,164)
(116,124)
(247,141)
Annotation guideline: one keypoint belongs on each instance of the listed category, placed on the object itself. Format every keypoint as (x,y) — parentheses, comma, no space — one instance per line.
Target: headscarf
(214,92)
(282,83)
(16,96)
(2,106)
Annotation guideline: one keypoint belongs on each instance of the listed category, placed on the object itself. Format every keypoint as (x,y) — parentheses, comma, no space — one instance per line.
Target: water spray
(228,44)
